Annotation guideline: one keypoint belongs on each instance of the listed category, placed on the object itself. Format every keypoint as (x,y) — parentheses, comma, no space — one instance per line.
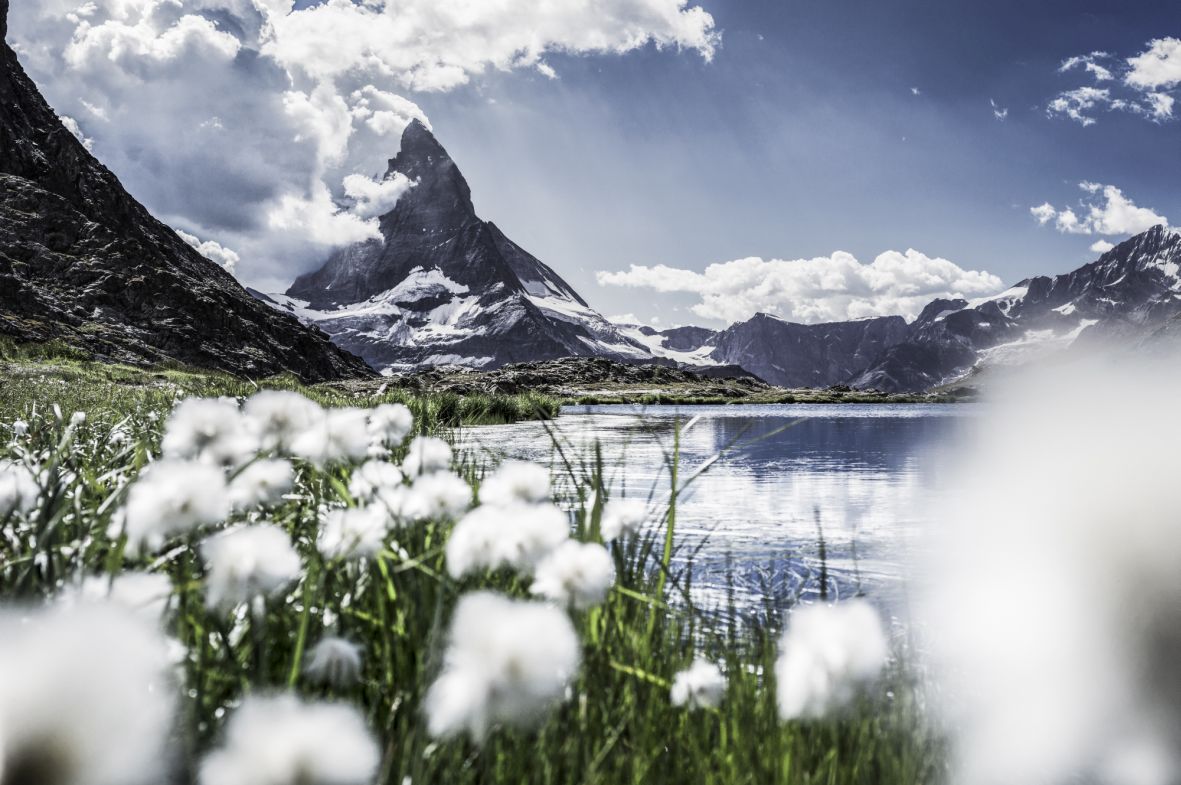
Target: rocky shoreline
(580,380)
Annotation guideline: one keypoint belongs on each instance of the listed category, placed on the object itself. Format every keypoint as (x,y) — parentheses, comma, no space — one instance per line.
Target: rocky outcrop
(81,261)
(444,287)
(806,355)
(1126,296)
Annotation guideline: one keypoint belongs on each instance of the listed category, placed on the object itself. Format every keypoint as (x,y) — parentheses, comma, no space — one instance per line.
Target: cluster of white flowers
(220,458)
(828,652)
(517,536)
(508,661)
(279,740)
(701,685)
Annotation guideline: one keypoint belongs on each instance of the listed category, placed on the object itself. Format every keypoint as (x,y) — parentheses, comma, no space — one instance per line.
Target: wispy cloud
(1138,85)
(1104,210)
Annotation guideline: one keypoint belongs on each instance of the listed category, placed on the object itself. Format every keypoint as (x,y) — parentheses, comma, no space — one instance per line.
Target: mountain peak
(421,154)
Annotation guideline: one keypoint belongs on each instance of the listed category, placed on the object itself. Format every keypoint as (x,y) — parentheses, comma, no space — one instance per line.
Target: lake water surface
(861,476)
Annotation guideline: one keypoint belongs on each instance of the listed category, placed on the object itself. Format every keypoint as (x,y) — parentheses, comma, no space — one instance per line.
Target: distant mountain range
(82,262)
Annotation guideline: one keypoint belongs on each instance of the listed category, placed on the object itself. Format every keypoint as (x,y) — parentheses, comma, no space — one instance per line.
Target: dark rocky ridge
(81,261)
(1124,298)
(444,286)
(806,355)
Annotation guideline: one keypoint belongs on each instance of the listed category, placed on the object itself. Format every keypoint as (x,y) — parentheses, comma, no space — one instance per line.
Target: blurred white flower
(212,430)
(348,434)
(575,574)
(18,489)
(356,532)
(516,481)
(171,497)
(439,494)
(702,685)
(145,593)
(85,697)
(390,423)
(262,482)
(335,662)
(20,428)
(246,562)
(828,652)
(280,740)
(507,661)
(622,517)
(517,536)
(427,454)
(280,418)
(373,476)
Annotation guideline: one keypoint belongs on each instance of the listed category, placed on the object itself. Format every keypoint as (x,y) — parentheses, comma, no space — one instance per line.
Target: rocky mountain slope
(81,261)
(806,355)
(444,287)
(1130,294)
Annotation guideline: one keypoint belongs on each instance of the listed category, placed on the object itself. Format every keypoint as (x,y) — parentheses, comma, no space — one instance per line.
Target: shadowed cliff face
(83,262)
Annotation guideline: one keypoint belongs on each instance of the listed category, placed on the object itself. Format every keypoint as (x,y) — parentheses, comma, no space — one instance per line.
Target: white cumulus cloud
(1101,246)
(824,289)
(1157,67)
(244,120)
(214,252)
(1105,210)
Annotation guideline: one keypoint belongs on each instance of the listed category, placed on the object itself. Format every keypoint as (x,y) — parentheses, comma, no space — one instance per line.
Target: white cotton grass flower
(507,662)
(390,424)
(355,532)
(248,562)
(516,481)
(77,419)
(173,497)
(575,574)
(427,454)
(19,490)
(827,653)
(211,430)
(281,419)
(261,483)
(517,536)
(19,428)
(335,662)
(622,517)
(436,495)
(701,685)
(86,697)
(372,477)
(148,594)
(280,740)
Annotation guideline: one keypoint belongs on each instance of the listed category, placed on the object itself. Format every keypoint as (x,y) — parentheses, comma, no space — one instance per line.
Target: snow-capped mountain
(443,287)
(1125,296)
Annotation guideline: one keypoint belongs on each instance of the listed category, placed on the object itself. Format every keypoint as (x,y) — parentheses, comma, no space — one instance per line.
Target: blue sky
(803,137)
(774,129)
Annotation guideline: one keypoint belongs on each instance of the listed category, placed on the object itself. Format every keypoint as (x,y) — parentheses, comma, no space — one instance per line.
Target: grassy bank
(612,723)
(36,376)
